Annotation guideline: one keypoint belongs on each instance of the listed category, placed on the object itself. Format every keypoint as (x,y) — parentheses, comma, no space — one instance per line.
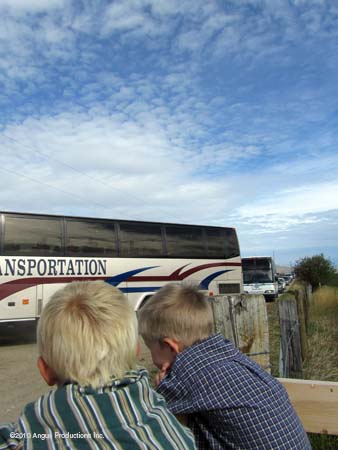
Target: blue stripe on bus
(140,289)
(125,275)
(205,283)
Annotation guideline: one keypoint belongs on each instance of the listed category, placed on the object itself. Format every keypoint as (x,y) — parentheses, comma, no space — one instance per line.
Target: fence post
(308,295)
(308,289)
(243,320)
(302,318)
(222,321)
(291,351)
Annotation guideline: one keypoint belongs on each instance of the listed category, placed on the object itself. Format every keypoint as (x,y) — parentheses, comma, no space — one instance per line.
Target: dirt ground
(20,381)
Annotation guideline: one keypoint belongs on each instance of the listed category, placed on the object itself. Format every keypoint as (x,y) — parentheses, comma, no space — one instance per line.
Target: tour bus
(259,276)
(40,253)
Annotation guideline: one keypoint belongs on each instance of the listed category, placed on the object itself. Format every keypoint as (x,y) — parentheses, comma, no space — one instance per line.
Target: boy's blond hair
(177,312)
(87,333)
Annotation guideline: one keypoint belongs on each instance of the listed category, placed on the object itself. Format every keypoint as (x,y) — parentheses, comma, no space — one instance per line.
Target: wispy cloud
(209,112)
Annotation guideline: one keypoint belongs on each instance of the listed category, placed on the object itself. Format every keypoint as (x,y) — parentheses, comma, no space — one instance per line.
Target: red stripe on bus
(11,287)
(177,276)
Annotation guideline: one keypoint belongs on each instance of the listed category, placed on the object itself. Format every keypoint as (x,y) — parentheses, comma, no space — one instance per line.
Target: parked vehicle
(281,284)
(287,278)
(259,276)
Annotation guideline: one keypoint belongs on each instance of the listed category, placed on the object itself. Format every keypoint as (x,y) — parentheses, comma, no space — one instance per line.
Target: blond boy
(87,341)
(229,401)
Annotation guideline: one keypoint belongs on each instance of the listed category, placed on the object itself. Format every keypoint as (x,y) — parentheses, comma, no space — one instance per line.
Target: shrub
(316,270)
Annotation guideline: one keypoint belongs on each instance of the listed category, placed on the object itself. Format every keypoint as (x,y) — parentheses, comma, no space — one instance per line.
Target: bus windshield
(259,276)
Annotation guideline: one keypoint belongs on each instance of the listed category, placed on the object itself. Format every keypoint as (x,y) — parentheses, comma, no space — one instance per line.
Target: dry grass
(322,358)
(325,301)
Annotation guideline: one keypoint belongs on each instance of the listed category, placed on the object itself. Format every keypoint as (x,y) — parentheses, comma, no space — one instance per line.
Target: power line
(70,167)
(50,186)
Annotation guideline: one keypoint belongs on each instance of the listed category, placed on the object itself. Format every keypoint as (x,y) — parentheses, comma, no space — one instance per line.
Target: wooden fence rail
(316,403)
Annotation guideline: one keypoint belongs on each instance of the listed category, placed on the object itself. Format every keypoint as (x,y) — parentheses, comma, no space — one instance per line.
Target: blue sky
(210,112)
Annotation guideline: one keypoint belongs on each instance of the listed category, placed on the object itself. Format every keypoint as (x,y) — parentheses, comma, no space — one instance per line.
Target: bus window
(140,240)
(32,236)
(89,238)
(263,264)
(185,242)
(222,243)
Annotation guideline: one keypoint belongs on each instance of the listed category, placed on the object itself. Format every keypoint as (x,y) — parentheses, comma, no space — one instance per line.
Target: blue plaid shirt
(231,402)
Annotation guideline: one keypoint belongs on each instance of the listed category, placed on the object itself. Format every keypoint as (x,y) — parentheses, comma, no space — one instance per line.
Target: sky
(189,111)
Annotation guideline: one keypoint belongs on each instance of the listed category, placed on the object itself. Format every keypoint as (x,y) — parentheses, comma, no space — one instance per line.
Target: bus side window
(185,241)
(89,238)
(33,236)
(222,243)
(140,240)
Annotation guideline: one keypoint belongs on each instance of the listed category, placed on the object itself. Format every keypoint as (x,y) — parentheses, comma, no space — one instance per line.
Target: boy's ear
(138,349)
(47,372)
(175,346)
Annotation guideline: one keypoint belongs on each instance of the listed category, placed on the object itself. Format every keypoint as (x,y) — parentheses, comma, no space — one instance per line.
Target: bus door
(19,306)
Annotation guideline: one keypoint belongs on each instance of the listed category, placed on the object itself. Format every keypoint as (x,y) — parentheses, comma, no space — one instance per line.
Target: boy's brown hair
(177,312)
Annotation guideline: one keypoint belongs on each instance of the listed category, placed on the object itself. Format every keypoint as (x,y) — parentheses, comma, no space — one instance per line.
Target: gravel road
(20,381)
(19,375)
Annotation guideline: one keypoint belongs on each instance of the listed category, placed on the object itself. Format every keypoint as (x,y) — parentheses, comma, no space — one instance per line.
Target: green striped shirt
(126,414)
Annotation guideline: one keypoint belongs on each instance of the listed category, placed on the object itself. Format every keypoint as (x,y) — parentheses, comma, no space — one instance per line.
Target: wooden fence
(243,319)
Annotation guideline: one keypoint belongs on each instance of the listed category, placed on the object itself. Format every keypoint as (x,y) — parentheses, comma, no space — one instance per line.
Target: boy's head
(86,334)
(174,318)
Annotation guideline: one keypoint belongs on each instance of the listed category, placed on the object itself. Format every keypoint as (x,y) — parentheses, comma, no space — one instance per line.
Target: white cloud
(283,210)
(172,110)
(31,5)
(311,235)
(116,163)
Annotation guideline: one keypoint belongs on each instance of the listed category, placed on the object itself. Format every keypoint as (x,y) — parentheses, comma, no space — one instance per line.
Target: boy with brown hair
(87,341)
(229,401)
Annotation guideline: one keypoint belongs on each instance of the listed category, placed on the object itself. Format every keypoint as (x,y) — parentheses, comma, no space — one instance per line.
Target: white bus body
(259,276)
(29,274)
